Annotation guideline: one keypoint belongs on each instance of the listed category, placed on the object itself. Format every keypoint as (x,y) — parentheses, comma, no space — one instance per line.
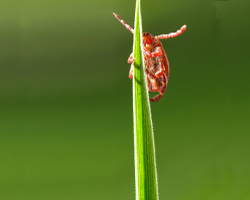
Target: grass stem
(145,163)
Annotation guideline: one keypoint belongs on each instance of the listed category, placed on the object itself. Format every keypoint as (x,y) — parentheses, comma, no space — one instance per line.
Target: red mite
(156,62)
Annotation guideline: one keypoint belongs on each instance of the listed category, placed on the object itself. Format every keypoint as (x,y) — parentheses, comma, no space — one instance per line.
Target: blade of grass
(145,164)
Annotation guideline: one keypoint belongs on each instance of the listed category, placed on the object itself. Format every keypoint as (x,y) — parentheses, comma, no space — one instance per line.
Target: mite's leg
(151,89)
(171,35)
(131,72)
(150,75)
(152,85)
(149,84)
(124,23)
(158,52)
(156,98)
(162,91)
(161,71)
(131,58)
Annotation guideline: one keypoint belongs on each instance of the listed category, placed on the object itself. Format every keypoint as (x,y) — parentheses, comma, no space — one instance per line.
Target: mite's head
(147,38)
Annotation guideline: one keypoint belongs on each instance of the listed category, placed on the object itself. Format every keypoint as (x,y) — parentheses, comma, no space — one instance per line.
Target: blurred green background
(66,124)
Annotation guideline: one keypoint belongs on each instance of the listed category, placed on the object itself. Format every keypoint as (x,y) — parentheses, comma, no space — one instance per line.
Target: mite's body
(156,62)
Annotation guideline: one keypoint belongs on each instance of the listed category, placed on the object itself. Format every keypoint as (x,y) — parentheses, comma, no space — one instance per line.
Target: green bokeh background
(66,124)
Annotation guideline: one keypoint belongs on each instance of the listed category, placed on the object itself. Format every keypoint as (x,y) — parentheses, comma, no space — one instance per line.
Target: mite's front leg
(131,58)
(171,35)
(158,52)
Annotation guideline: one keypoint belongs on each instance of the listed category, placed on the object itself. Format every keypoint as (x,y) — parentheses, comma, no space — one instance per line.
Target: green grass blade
(145,164)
